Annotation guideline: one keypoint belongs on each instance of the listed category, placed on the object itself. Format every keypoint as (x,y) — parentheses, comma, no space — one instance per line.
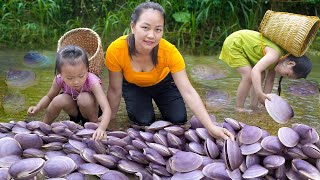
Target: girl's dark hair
(70,55)
(301,69)
(134,18)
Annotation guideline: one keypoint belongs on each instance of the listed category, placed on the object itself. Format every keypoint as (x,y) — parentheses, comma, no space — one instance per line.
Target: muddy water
(215,82)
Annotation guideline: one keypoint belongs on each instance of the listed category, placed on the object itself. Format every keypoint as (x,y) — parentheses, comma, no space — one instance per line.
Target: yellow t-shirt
(118,59)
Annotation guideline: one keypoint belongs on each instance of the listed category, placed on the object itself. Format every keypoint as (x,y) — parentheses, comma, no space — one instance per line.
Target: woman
(144,67)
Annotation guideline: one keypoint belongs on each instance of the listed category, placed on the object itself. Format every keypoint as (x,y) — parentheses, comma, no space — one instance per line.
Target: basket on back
(292,32)
(88,40)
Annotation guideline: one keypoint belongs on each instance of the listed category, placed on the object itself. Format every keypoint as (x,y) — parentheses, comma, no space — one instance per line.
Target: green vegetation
(195,26)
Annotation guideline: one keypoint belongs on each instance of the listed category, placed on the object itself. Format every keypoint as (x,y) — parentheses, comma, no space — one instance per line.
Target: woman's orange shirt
(118,60)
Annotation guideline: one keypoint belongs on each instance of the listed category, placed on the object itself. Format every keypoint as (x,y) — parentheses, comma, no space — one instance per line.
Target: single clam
(92,169)
(216,170)
(26,168)
(272,144)
(305,169)
(138,157)
(185,161)
(279,109)
(7,161)
(273,161)
(58,166)
(153,156)
(192,136)
(176,130)
(4,174)
(33,153)
(158,169)
(97,146)
(247,149)
(160,139)
(210,148)
(87,155)
(157,125)
(129,166)
(249,134)
(192,175)
(232,155)
(29,141)
(9,146)
(252,160)
(311,150)
(255,171)
(288,136)
(106,160)
(76,175)
(112,175)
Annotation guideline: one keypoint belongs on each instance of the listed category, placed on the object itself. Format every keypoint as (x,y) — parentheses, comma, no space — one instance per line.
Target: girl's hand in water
(99,134)
(219,132)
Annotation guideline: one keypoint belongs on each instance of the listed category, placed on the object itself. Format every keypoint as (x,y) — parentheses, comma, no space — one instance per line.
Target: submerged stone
(304,88)
(34,59)
(20,78)
(217,99)
(205,72)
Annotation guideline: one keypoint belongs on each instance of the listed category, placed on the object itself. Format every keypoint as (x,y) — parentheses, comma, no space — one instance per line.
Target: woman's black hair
(71,55)
(301,69)
(134,18)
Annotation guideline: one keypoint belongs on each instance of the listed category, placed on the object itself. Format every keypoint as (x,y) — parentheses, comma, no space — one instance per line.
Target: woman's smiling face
(148,30)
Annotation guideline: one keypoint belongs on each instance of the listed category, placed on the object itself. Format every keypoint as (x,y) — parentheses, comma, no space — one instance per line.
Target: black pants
(165,94)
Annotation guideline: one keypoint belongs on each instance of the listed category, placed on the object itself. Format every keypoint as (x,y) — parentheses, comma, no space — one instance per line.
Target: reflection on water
(218,91)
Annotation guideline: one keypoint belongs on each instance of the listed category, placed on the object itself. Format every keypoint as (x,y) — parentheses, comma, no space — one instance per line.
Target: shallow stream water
(215,82)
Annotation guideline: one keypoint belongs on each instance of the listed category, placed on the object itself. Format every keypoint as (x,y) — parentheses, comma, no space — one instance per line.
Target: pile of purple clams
(65,150)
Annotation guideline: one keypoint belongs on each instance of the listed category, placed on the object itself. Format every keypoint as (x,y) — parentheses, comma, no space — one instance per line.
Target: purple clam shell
(26,168)
(232,155)
(288,136)
(216,170)
(273,161)
(192,175)
(113,175)
(279,109)
(250,134)
(58,166)
(9,146)
(255,171)
(183,161)
(92,169)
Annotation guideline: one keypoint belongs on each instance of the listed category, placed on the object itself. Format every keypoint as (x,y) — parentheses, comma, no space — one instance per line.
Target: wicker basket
(292,32)
(90,41)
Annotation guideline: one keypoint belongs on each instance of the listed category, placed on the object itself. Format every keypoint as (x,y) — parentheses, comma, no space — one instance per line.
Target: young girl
(82,93)
(257,59)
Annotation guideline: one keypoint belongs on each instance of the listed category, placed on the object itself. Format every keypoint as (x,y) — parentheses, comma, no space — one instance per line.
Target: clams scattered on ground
(64,150)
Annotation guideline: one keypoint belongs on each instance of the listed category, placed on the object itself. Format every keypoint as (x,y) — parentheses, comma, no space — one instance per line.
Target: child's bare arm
(269,81)
(45,100)
(101,98)
(271,57)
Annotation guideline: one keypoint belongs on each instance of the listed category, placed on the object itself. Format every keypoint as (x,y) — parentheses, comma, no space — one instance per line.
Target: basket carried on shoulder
(88,40)
(292,32)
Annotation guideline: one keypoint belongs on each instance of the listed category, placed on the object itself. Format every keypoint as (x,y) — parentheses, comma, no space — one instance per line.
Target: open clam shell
(26,168)
(279,109)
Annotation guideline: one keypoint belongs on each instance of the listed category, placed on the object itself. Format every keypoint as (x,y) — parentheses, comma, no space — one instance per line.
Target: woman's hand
(219,132)
(99,134)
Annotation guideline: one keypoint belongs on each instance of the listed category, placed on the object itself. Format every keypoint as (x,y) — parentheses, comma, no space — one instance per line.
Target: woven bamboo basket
(292,32)
(90,41)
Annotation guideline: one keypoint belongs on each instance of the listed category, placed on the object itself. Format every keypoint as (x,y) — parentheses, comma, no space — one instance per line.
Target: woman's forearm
(114,99)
